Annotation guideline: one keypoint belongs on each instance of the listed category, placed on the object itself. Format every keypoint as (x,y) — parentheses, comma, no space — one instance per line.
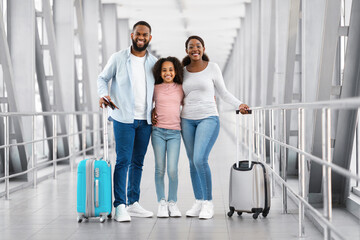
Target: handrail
(36,166)
(346,103)
(318,160)
(30,114)
(325,161)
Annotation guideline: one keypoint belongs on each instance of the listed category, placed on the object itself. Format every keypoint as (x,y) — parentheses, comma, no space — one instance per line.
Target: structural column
(21,25)
(91,16)
(64,31)
(110,29)
(123,32)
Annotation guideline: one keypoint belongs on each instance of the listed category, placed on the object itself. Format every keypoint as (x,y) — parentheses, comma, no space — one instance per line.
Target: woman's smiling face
(195,49)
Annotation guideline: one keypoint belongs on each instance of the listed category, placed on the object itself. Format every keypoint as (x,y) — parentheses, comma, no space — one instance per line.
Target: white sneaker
(121,215)
(195,209)
(135,210)
(207,210)
(163,211)
(174,210)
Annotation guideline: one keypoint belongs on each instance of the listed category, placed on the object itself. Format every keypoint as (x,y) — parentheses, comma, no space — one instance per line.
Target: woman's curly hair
(179,71)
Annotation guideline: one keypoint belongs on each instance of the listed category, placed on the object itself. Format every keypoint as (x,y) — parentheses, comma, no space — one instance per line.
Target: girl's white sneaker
(174,210)
(163,211)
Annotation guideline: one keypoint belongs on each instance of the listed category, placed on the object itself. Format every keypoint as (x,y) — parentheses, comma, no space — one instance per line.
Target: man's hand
(244,109)
(106,100)
(153,117)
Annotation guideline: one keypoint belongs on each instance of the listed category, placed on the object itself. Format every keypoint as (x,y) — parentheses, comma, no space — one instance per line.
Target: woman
(200,122)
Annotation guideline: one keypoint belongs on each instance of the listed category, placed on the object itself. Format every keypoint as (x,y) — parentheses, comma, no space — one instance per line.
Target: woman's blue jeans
(199,137)
(166,145)
(132,140)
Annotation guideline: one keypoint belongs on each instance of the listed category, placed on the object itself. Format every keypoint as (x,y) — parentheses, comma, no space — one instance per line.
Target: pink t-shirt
(168,98)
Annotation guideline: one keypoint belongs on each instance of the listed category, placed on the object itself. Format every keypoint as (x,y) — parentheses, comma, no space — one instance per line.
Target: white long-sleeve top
(199,89)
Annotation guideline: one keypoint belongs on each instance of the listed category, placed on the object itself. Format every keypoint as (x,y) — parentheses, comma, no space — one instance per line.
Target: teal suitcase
(94,191)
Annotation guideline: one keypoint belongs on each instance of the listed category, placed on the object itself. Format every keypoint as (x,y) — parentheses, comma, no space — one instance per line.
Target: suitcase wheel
(255,215)
(102,219)
(265,213)
(109,216)
(239,213)
(231,212)
(80,219)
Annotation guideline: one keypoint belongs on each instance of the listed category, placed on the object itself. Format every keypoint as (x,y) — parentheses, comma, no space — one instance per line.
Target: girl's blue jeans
(166,145)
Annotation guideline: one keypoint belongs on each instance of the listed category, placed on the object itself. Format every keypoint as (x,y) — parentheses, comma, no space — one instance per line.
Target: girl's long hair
(179,71)
(186,60)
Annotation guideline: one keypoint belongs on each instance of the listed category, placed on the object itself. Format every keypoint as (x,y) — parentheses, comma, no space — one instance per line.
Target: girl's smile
(168,72)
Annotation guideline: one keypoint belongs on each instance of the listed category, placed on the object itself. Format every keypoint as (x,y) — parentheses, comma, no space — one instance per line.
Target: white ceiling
(173,21)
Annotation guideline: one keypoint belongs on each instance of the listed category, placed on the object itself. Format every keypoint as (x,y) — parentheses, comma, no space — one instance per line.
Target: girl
(200,122)
(165,137)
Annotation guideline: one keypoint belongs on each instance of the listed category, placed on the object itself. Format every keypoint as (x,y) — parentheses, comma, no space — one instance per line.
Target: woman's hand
(244,109)
(153,117)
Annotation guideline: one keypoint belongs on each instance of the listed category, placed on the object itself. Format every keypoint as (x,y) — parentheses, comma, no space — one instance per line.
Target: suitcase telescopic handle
(249,111)
(105,127)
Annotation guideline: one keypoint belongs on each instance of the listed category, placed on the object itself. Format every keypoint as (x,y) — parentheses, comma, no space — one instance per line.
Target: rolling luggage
(94,191)
(249,184)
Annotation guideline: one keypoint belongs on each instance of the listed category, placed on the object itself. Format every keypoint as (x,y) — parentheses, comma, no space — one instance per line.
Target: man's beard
(139,49)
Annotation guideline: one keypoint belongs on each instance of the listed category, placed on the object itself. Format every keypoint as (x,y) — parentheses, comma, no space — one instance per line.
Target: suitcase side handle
(97,193)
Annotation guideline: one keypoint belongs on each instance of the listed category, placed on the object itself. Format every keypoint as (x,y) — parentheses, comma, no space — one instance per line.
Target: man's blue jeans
(166,145)
(199,137)
(131,144)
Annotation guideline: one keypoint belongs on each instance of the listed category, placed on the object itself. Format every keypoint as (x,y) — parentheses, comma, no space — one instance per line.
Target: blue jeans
(199,137)
(131,141)
(166,144)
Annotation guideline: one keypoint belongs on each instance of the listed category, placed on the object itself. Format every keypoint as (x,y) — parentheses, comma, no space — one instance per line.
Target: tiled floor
(49,211)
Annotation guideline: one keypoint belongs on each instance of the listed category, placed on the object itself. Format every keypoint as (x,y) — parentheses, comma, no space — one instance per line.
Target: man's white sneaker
(174,210)
(207,210)
(195,209)
(135,210)
(163,211)
(121,215)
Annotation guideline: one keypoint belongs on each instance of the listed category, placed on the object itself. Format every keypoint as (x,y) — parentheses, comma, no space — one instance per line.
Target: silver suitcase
(249,185)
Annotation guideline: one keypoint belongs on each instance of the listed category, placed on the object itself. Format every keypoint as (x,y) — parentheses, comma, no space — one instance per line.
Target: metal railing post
(284,162)
(257,129)
(263,140)
(54,145)
(326,171)
(301,170)
(83,129)
(272,151)
(33,151)
(71,141)
(7,156)
(357,149)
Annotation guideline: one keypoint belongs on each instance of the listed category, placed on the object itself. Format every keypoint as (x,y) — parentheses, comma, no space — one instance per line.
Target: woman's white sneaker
(163,211)
(174,210)
(195,209)
(121,215)
(207,210)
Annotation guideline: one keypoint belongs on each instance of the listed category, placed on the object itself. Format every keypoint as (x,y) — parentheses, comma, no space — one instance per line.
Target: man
(132,91)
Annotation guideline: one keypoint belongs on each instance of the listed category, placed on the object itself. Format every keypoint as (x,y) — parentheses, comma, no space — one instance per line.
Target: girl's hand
(244,108)
(153,117)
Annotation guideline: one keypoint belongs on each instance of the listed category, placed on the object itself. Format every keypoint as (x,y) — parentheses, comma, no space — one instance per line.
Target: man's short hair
(142,23)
